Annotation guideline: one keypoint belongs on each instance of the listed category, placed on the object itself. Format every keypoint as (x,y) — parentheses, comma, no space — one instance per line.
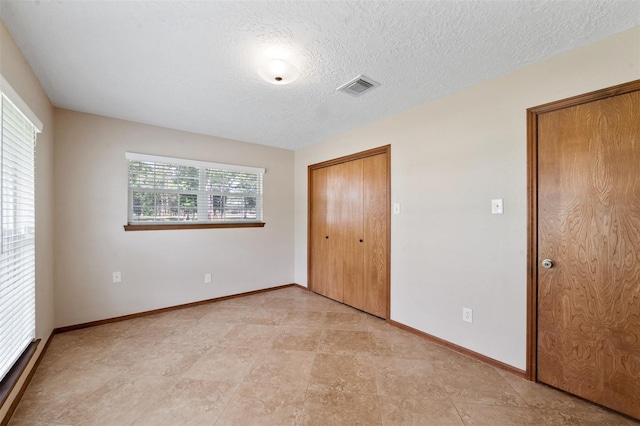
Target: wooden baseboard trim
(167,309)
(300,287)
(25,385)
(461,350)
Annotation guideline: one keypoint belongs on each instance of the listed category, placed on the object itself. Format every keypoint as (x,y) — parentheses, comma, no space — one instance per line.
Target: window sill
(7,384)
(154,227)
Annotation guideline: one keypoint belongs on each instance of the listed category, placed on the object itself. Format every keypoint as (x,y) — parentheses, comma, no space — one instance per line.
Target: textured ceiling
(192,65)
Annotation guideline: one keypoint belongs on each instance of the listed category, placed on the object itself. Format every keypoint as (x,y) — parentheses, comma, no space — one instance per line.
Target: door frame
(532,199)
(386,149)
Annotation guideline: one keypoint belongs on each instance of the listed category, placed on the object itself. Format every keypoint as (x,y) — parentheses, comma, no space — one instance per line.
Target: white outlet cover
(207,278)
(117,277)
(467,315)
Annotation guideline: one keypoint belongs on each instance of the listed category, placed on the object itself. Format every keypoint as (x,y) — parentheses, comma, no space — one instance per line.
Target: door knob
(547,264)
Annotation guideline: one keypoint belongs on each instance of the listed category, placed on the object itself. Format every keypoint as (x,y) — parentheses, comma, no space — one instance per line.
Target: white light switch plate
(396,208)
(497,206)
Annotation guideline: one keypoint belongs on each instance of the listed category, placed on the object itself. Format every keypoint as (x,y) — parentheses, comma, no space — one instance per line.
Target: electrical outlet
(117,277)
(207,278)
(467,315)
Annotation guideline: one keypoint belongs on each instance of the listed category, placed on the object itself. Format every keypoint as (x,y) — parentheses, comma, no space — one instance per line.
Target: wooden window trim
(11,379)
(154,227)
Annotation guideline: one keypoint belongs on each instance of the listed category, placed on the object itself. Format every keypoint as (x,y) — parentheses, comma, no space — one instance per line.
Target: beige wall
(17,72)
(159,268)
(450,157)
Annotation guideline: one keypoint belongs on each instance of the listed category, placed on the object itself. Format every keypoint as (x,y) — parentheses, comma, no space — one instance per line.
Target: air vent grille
(358,86)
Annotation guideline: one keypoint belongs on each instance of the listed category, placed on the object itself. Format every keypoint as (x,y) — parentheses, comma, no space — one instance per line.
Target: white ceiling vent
(357,86)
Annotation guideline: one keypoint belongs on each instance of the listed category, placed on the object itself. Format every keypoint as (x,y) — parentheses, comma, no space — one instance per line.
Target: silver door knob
(547,264)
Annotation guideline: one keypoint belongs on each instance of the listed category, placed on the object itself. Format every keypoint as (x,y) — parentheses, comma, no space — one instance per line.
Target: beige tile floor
(279,358)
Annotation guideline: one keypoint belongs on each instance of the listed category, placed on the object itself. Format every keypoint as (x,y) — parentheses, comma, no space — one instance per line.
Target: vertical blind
(17,242)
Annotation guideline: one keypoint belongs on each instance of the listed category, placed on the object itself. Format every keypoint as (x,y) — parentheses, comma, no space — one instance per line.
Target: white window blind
(175,190)
(17,241)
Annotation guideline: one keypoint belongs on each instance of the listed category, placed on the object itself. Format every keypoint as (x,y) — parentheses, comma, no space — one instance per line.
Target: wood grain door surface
(335,214)
(588,331)
(349,232)
(375,235)
(319,236)
(350,225)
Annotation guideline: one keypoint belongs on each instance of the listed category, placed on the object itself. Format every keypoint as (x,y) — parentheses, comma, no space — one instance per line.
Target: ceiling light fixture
(278,71)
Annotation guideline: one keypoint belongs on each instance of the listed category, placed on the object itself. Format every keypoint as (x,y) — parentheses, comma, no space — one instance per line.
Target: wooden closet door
(350,251)
(349,230)
(335,217)
(375,235)
(319,232)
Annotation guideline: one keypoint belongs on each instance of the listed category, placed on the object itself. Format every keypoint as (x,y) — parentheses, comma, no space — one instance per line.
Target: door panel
(351,249)
(335,215)
(319,243)
(588,333)
(376,208)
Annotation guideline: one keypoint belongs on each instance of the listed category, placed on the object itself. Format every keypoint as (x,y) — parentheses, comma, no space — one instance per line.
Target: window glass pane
(188,178)
(141,175)
(189,207)
(216,181)
(144,206)
(167,207)
(165,192)
(222,181)
(17,248)
(215,207)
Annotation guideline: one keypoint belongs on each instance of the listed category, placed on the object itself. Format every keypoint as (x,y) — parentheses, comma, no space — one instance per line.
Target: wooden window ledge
(154,227)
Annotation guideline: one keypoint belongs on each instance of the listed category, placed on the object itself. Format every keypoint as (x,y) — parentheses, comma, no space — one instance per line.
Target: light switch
(396,208)
(496,206)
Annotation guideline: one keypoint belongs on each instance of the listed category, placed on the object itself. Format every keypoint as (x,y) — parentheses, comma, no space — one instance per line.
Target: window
(17,236)
(173,191)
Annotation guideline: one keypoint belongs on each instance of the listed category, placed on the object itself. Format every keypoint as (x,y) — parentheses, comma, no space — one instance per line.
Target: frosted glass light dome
(278,71)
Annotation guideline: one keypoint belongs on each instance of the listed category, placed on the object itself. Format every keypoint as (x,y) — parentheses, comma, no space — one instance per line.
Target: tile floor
(279,358)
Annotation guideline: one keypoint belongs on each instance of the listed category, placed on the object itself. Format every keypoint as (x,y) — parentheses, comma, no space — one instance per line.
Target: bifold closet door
(375,233)
(337,232)
(349,226)
(319,233)
(351,250)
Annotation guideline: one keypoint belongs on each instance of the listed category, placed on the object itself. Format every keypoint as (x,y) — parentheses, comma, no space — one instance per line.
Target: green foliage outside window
(164,192)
